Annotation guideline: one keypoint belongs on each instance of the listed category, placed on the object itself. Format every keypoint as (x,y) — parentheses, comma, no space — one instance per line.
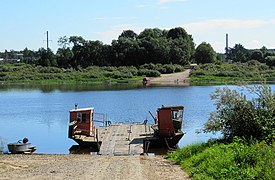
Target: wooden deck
(123,139)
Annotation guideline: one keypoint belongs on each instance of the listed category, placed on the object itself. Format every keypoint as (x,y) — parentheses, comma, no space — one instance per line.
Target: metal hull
(169,142)
(92,144)
(19,148)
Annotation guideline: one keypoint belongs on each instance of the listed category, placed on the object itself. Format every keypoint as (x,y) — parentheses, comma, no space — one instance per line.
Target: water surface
(42,115)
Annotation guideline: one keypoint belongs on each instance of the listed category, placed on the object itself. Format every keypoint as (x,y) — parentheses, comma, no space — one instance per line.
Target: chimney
(226,44)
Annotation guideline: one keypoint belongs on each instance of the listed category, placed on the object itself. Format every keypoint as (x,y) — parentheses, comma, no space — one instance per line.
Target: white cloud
(253,33)
(168,1)
(203,26)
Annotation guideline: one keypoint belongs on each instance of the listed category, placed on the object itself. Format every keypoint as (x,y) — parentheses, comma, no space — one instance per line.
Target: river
(41,113)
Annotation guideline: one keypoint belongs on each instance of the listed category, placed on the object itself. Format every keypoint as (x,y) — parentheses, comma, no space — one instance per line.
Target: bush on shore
(21,72)
(247,150)
(226,72)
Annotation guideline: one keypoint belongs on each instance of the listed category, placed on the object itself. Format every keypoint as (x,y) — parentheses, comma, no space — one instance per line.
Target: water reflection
(78,87)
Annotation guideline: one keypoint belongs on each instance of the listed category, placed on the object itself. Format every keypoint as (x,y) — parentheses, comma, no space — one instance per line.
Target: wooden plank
(123,139)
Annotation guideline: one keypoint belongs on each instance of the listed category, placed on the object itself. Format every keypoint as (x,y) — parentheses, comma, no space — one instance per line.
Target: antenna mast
(47,40)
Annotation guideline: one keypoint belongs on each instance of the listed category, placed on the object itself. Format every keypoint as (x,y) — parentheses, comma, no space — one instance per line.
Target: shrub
(236,115)
(49,69)
(179,68)
(198,73)
(91,76)
(149,73)
(150,66)
(130,70)
(109,68)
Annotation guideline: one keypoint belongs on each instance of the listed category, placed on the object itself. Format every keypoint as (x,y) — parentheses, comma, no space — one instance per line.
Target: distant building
(16,59)
(12,60)
(192,66)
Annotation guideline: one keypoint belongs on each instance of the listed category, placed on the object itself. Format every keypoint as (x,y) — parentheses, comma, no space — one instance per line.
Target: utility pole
(47,40)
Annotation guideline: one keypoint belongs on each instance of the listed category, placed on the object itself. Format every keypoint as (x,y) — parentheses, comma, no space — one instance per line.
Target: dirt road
(88,167)
(174,78)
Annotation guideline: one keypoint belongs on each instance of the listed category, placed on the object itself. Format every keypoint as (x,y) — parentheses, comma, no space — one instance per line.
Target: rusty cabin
(169,120)
(81,121)
(167,127)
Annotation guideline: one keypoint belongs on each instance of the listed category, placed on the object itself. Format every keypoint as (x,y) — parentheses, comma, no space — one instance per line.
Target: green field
(232,73)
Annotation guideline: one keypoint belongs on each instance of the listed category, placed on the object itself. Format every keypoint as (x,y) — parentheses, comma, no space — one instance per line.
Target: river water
(41,113)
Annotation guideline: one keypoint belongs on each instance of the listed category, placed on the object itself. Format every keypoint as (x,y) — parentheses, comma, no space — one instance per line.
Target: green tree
(64,42)
(29,56)
(270,61)
(238,54)
(177,33)
(154,46)
(182,47)
(46,57)
(238,116)
(125,49)
(64,57)
(205,53)
(154,33)
(258,55)
(129,34)
(93,53)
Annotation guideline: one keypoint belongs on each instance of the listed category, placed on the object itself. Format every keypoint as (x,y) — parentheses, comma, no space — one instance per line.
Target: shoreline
(72,166)
(165,79)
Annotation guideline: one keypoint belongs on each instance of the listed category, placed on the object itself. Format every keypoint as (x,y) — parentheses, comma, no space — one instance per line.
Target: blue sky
(24,22)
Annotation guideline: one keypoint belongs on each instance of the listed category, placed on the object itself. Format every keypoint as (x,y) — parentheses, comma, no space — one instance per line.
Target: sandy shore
(88,167)
(181,78)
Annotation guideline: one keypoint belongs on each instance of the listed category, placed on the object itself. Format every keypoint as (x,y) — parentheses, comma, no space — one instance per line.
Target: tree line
(155,46)
(240,54)
(152,45)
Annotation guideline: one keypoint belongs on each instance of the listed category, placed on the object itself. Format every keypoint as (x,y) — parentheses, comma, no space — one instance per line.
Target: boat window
(177,114)
(81,117)
(84,117)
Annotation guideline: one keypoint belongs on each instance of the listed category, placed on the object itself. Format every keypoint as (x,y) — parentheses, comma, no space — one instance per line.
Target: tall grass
(21,72)
(230,73)
(237,160)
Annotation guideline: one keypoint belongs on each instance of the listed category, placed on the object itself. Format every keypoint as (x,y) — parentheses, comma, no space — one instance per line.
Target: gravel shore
(172,79)
(88,167)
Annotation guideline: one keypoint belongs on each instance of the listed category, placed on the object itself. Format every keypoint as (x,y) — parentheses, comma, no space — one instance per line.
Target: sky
(24,23)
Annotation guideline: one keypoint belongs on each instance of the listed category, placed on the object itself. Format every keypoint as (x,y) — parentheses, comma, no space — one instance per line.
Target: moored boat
(167,127)
(126,138)
(22,146)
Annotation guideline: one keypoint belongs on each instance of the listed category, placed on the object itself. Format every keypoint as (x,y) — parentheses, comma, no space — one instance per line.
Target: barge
(90,129)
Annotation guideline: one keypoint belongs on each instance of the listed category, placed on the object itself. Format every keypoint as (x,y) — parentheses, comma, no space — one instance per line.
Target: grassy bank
(31,73)
(237,160)
(226,73)
(20,72)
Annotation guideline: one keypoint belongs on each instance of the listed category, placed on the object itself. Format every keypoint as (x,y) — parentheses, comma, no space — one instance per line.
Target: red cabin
(169,120)
(82,122)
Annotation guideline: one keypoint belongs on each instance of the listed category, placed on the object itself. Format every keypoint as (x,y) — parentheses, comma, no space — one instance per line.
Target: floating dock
(126,139)
(123,139)
(120,139)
